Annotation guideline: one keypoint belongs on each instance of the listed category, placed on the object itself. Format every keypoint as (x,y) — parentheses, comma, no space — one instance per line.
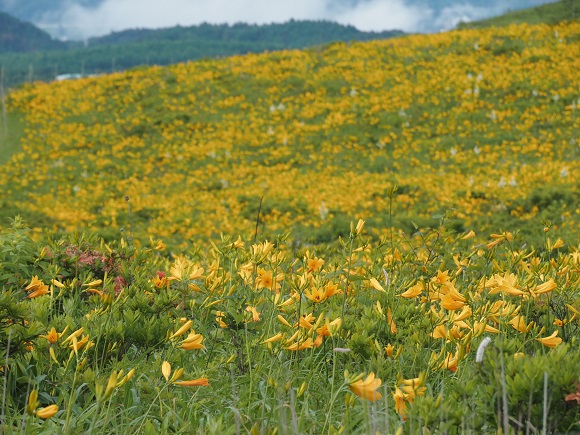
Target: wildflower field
(360,238)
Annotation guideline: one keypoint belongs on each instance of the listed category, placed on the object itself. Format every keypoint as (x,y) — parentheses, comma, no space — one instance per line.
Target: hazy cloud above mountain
(408,15)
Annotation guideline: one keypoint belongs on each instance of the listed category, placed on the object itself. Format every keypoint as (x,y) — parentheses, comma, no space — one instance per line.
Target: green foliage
(11,131)
(551,13)
(127,308)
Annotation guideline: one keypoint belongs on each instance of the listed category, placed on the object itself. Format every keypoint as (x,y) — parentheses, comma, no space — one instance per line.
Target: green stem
(70,401)
(347,276)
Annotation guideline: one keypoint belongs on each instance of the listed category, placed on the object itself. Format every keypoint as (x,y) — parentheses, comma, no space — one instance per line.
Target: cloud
(115,15)
(369,15)
(380,15)
(450,16)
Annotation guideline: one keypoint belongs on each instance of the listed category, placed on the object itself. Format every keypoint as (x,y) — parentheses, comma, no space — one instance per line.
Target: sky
(367,15)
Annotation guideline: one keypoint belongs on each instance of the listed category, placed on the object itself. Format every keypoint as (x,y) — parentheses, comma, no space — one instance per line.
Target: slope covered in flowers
(482,122)
(468,326)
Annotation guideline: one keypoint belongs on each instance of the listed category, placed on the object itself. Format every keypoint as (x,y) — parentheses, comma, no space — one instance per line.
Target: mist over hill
(18,36)
(82,19)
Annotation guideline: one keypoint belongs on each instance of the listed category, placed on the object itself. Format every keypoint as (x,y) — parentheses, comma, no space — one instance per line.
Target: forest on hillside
(123,50)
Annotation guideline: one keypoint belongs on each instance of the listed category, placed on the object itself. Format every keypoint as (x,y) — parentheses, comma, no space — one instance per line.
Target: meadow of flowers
(361,238)
(483,122)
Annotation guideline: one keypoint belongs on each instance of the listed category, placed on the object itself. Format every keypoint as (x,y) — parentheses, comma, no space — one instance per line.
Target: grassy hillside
(551,13)
(11,133)
(480,123)
(446,163)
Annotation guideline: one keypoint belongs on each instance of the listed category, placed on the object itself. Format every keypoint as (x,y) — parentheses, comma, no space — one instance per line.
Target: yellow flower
(166,370)
(57,283)
(414,291)
(160,280)
(238,244)
(464,314)
(314,264)
(505,283)
(274,338)
(389,349)
(450,362)
(469,235)
(519,323)
(551,341)
(329,328)
(266,280)
(440,331)
(557,244)
(376,285)
(201,382)
(316,294)
(33,402)
(283,321)
(331,290)
(367,389)
(37,288)
(546,287)
(306,320)
(451,304)
(391,321)
(34,283)
(400,403)
(307,344)
(79,344)
(192,341)
(184,328)
(52,336)
(359,226)
(47,412)
(255,313)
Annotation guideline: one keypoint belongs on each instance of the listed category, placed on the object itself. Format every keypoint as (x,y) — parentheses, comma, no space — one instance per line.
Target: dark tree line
(131,48)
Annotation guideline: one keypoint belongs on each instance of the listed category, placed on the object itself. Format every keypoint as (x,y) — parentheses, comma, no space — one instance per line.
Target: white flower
(387,279)
(453,151)
(481,349)
(323,211)
(353,92)
(513,182)
(476,150)
(502,182)
(564,172)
